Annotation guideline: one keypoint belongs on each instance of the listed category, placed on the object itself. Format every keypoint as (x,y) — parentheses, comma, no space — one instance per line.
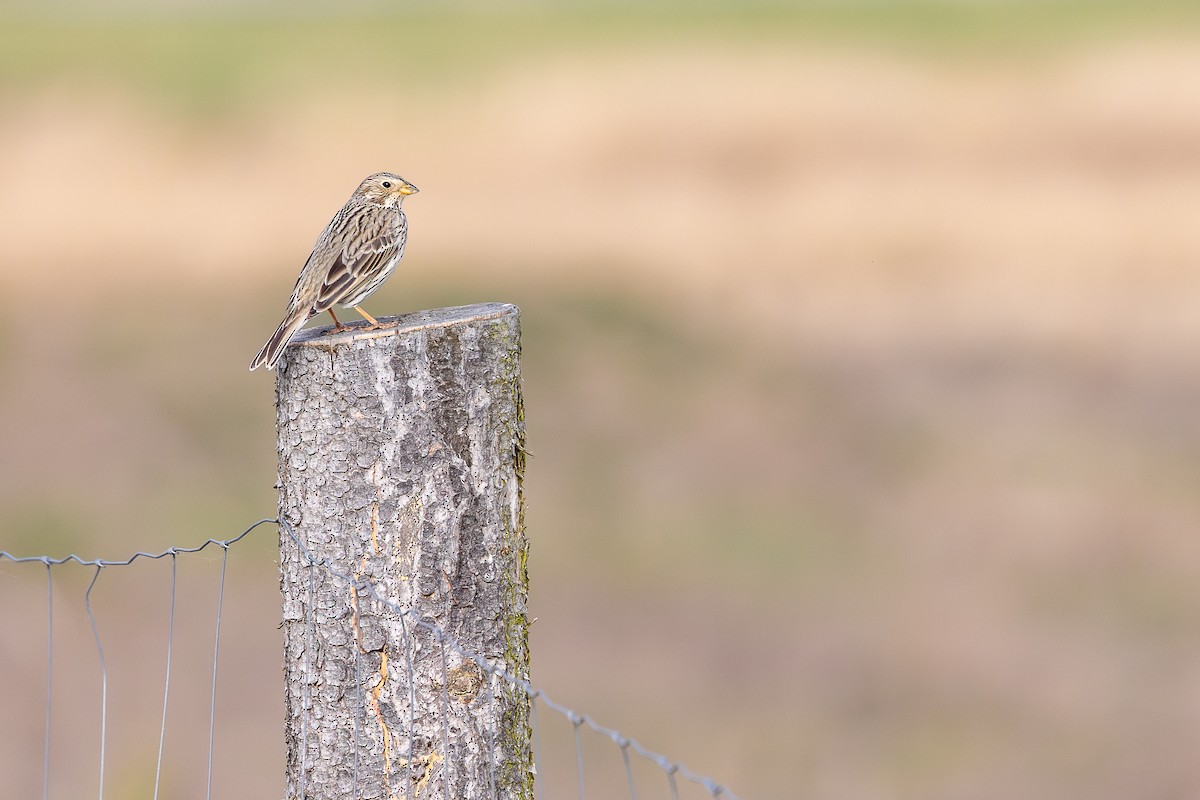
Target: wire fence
(672,774)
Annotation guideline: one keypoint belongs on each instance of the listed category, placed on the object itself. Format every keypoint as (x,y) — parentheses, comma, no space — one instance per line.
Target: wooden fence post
(401,454)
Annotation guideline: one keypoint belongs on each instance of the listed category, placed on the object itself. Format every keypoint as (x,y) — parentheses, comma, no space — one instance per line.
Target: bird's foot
(372,323)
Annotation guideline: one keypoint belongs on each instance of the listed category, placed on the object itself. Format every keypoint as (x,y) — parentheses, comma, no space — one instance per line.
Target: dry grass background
(860,378)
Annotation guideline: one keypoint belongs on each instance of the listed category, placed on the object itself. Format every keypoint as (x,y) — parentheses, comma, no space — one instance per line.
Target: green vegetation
(216,58)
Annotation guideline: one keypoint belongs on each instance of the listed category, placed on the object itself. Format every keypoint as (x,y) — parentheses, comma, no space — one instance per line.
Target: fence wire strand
(409,621)
(624,745)
(162,733)
(575,723)
(87,604)
(49,680)
(212,713)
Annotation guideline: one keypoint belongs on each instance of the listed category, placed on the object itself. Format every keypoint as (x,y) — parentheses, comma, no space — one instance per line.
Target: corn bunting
(355,253)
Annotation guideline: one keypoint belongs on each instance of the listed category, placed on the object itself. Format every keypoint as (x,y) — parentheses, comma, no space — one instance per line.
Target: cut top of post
(405,323)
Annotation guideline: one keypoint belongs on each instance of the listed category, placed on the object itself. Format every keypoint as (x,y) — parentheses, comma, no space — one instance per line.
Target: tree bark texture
(401,454)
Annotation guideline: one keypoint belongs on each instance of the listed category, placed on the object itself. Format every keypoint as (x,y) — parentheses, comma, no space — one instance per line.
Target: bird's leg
(337,325)
(373,323)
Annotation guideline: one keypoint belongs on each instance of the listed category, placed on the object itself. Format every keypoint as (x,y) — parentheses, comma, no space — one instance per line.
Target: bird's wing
(370,238)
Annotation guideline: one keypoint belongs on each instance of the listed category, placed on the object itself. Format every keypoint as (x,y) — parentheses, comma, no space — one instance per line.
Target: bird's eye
(387,184)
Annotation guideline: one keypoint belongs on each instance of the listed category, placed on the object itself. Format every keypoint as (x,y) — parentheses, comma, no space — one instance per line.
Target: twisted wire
(407,617)
(99,562)
(671,768)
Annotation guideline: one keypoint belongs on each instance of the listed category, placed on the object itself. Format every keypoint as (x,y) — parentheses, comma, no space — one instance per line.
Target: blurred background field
(860,360)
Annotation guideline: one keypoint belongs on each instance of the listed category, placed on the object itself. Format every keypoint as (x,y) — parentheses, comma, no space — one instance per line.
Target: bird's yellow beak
(408,189)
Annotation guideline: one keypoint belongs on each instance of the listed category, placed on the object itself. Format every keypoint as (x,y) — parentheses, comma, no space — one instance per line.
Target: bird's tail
(273,349)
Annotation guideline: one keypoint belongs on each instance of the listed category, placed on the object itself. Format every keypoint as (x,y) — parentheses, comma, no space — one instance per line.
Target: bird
(353,256)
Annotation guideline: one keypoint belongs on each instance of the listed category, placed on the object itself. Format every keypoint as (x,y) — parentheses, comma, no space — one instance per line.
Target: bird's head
(385,189)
